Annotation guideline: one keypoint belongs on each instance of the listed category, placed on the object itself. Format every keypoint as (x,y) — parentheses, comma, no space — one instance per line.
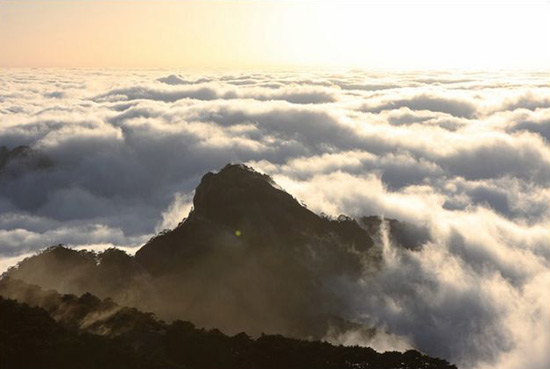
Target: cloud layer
(115,155)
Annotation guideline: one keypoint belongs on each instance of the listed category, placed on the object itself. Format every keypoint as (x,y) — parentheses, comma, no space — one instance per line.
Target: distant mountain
(248,257)
(21,158)
(50,330)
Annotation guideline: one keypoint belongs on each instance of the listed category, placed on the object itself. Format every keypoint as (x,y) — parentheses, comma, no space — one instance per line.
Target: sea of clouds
(116,156)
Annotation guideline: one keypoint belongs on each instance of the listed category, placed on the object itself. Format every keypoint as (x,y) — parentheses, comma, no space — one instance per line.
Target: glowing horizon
(245,34)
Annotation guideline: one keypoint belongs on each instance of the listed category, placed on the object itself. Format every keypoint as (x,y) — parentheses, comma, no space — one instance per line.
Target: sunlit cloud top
(242,34)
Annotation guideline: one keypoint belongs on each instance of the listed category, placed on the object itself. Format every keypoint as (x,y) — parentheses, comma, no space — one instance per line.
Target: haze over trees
(93,333)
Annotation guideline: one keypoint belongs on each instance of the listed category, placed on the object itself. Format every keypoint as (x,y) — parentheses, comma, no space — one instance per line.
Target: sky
(274,34)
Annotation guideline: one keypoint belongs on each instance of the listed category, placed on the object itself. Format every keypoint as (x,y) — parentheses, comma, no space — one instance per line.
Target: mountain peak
(234,178)
(237,175)
(237,202)
(255,249)
(238,195)
(249,256)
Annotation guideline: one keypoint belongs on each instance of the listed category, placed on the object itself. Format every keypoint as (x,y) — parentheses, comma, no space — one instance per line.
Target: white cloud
(466,156)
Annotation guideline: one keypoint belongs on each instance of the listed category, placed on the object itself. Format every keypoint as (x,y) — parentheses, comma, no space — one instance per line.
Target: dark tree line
(30,339)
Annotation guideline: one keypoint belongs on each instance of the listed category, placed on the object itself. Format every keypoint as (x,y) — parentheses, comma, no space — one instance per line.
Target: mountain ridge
(248,257)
